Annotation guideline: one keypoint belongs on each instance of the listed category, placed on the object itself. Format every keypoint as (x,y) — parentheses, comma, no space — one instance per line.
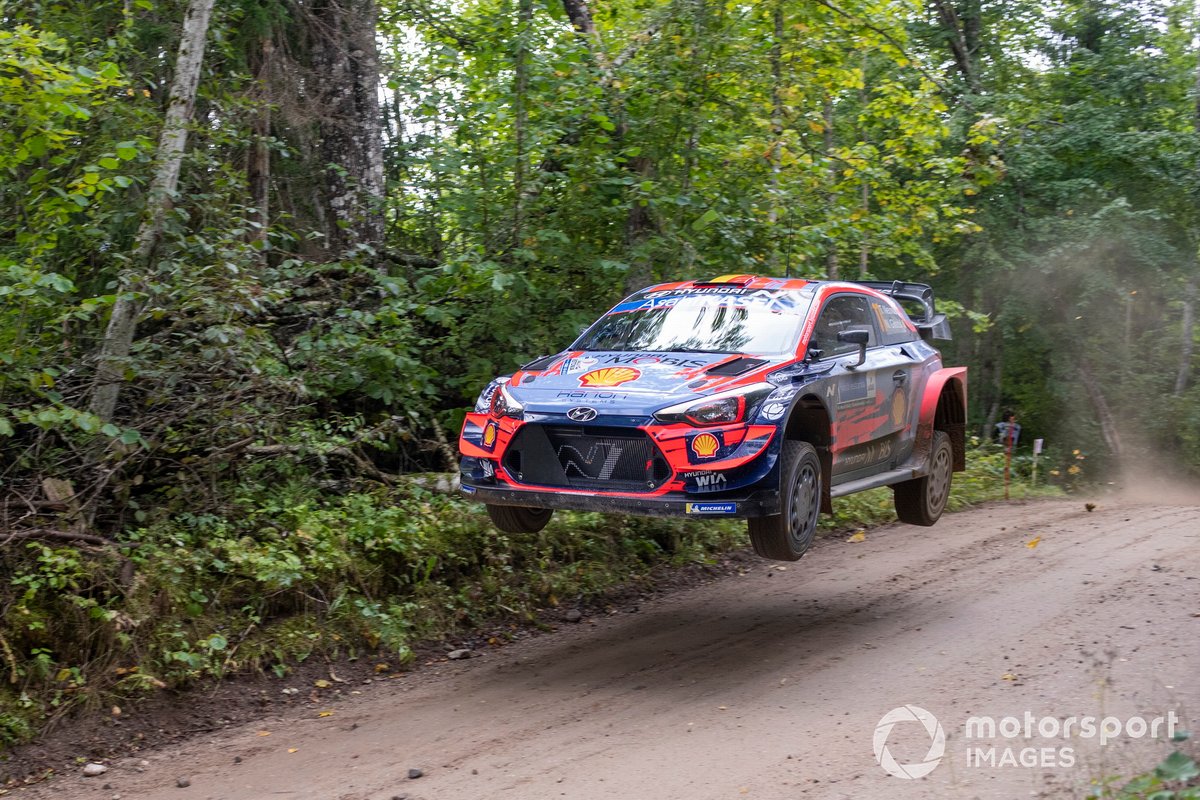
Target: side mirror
(860,338)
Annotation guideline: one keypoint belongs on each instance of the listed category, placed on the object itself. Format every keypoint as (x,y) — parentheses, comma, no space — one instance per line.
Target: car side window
(891,323)
(845,312)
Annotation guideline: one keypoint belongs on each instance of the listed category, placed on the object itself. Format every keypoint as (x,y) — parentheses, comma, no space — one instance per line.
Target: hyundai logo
(582,414)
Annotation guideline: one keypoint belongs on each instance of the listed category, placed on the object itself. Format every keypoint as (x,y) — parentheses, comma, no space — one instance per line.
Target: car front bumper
(758,503)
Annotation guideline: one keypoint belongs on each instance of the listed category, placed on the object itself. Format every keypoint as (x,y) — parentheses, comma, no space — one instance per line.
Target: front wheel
(786,536)
(519,519)
(921,501)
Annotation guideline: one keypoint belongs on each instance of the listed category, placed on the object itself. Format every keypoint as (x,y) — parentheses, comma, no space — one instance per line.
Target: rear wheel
(921,501)
(785,536)
(519,519)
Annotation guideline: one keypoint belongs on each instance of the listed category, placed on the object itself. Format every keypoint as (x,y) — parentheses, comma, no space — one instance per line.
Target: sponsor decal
(593,397)
(888,318)
(489,436)
(710,481)
(856,389)
(610,376)
(866,454)
(574,365)
(651,358)
(468,490)
(710,508)
(645,305)
(488,470)
(581,414)
(773,411)
(705,445)
(899,407)
(598,463)
(699,291)
(782,300)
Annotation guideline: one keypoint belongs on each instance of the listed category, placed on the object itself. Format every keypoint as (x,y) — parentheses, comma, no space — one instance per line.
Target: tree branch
(62,536)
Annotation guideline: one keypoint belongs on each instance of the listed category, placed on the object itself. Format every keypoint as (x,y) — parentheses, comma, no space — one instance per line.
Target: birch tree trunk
(1108,423)
(122,324)
(774,200)
(831,198)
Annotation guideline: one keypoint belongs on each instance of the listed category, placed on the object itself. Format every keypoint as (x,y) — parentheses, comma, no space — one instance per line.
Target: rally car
(743,396)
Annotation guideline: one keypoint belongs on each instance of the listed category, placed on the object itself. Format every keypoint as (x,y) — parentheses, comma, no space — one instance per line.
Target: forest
(260,256)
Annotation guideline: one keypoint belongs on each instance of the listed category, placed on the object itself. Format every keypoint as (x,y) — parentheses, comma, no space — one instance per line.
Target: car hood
(632,384)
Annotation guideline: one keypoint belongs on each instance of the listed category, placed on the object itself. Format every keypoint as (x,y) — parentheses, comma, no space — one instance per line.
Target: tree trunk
(639,224)
(1188,337)
(520,113)
(122,324)
(1104,415)
(258,167)
(864,247)
(962,37)
(350,128)
(581,19)
(776,132)
(831,254)
(993,384)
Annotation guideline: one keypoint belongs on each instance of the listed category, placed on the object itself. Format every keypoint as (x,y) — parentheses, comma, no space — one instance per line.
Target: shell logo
(705,445)
(610,376)
(489,435)
(899,408)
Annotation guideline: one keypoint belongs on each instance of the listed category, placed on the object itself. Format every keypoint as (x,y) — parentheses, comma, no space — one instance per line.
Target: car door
(914,361)
(860,397)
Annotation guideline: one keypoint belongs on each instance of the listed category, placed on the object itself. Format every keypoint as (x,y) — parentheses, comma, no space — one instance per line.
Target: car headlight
(483,404)
(504,404)
(719,409)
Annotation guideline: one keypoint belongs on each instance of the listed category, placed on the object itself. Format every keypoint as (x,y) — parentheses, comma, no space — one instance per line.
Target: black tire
(787,535)
(921,501)
(519,519)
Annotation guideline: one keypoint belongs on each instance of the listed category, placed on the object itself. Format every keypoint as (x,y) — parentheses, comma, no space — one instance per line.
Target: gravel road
(771,684)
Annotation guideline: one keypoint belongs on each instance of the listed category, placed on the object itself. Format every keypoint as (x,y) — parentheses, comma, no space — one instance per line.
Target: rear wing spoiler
(917,301)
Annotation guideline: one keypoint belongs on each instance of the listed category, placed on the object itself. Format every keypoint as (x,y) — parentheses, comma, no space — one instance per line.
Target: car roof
(741,281)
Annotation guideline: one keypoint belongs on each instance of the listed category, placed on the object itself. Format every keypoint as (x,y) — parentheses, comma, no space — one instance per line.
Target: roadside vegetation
(259,256)
(1176,777)
(290,570)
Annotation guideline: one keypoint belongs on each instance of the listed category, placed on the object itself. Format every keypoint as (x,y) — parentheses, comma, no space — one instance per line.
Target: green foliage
(1177,777)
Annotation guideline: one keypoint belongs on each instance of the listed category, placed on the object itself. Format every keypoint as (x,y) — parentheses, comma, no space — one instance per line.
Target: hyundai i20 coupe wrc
(743,396)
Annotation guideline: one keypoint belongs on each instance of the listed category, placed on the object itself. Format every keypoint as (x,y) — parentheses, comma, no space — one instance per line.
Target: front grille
(586,457)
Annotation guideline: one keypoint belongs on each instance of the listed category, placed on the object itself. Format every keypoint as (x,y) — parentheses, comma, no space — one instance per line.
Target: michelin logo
(710,508)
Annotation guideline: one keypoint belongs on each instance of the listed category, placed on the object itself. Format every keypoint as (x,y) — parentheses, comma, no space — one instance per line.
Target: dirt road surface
(771,684)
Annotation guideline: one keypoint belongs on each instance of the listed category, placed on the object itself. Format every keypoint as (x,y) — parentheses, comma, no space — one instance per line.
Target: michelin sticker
(710,508)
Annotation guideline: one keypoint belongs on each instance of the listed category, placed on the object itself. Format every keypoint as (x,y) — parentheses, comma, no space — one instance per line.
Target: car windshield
(732,321)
